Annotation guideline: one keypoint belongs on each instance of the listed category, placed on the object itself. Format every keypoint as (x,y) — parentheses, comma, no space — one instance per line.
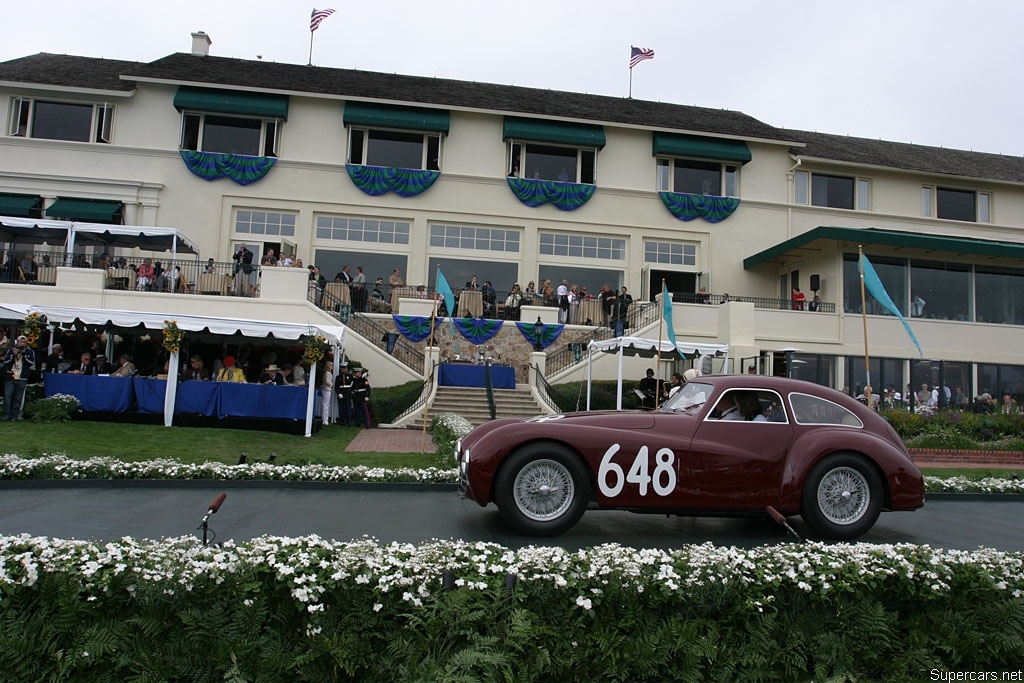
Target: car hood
(614,419)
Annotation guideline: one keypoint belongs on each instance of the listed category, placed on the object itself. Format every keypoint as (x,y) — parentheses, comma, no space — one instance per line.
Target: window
(395,149)
(350,229)
(697,177)
(813,410)
(940,291)
(47,120)
(226,134)
(265,223)
(834,192)
(957,205)
(893,274)
(467,237)
(553,162)
(672,253)
(583,246)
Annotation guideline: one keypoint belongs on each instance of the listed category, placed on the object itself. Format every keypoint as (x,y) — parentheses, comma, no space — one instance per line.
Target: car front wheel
(842,497)
(542,490)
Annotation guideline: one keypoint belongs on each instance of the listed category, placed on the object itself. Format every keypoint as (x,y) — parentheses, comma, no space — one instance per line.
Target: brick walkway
(392,441)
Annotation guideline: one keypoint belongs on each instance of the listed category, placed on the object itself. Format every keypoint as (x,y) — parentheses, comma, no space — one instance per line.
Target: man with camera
(19,362)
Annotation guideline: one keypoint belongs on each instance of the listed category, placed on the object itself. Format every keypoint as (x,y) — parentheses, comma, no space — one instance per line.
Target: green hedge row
(312,610)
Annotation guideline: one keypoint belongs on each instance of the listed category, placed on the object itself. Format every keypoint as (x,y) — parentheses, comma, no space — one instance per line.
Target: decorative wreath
(33,328)
(173,336)
(316,349)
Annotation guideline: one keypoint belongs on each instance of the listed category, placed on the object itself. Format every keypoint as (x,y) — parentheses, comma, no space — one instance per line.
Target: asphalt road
(154,511)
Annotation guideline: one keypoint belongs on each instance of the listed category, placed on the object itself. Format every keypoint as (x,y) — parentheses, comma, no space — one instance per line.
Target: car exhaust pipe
(780,519)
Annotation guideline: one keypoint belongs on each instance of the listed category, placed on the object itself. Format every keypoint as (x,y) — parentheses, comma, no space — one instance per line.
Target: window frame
(585,172)
(22,119)
(270,132)
(982,203)
(432,141)
(562,244)
(803,190)
(727,177)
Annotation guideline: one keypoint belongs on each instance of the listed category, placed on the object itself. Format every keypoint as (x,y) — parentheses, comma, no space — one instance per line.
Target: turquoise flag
(874,285)
(445,290)
(666,303)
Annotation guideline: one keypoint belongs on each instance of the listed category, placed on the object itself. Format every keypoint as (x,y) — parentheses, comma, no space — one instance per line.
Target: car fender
(487,453)
(814,444)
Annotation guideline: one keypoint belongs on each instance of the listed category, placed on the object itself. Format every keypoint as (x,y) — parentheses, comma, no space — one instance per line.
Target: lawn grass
(134,442)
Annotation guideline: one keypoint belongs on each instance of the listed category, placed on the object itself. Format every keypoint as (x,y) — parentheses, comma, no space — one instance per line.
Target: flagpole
(630,83)
(310,48)
(430,344)
(864,318)
(661,321)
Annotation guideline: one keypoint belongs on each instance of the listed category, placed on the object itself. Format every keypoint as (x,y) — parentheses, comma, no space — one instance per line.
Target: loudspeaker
(815,282)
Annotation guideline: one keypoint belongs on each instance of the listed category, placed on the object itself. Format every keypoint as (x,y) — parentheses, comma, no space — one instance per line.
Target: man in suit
(360,399)
(54,360)
(84,367)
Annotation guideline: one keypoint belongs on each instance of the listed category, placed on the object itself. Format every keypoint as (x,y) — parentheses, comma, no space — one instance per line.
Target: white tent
(196,323)
(646,348)
(70,233)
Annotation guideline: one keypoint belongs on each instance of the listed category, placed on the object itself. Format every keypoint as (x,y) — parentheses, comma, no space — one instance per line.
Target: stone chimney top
(201,44)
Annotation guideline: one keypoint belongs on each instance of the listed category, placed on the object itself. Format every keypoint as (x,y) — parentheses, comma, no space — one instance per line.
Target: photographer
(19,362)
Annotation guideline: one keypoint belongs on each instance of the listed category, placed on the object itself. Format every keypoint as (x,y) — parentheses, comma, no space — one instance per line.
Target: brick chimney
(201,44)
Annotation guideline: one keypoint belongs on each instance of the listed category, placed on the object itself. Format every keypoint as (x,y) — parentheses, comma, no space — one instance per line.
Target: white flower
(585,603)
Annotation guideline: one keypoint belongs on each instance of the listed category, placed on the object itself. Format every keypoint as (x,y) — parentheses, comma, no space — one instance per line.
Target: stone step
(470,403)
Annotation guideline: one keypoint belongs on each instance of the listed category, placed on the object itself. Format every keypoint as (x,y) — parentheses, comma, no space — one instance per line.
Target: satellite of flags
(639,54)
(318,16)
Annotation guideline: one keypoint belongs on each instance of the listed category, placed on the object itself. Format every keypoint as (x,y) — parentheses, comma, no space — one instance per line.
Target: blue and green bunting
(242,169)
(405,182)
(477,330)
(415,328)
(686,207)
(548,333)
(565,196)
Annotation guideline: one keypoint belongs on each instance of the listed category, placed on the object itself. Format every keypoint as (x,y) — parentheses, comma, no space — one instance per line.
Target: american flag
(318,16)
(639,54)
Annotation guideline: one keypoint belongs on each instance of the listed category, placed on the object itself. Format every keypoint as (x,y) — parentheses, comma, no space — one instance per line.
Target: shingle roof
(69,71)
(452,93)
(905,156)
(104,74)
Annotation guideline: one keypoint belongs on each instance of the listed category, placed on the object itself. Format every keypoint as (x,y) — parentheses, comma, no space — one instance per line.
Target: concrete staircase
(471,403)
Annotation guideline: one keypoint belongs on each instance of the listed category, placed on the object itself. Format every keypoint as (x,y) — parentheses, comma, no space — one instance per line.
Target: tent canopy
(648,348)
(193,323)
(46,231)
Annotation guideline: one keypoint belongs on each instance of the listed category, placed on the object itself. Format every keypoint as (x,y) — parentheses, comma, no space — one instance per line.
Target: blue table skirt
(96,394)
(220,399)
(461,375)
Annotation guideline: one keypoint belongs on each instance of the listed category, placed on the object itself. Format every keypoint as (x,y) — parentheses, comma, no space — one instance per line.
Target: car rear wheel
(842,497)
(542,489)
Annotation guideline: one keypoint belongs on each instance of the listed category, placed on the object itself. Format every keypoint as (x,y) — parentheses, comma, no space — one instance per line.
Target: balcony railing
(758,301)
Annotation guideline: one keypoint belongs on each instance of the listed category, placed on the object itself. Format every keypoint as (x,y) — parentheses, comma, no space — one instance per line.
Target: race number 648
(611,479)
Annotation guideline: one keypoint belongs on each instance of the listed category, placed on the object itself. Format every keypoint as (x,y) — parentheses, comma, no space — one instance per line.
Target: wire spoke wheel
(843,495)
(543,490)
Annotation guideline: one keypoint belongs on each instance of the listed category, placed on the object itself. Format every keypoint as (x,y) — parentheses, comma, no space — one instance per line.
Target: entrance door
(677,283)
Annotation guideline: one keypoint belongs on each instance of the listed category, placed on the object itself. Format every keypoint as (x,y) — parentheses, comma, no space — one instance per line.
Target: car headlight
(464,462)
(458,450)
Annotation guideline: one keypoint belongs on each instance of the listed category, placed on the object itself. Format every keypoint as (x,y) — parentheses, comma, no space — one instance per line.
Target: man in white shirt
(563,301)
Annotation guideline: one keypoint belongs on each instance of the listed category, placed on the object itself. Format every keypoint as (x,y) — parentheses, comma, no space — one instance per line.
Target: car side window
(809,409)
(749,405)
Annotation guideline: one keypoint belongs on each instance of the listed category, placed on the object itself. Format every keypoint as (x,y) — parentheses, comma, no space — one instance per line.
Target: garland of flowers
(33,328)
(316,349)
(173,336)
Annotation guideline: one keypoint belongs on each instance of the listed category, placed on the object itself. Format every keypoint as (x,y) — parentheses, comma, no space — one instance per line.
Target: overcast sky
(933,72)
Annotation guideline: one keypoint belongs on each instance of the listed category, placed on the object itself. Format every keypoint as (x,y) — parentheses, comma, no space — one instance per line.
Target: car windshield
(691,395)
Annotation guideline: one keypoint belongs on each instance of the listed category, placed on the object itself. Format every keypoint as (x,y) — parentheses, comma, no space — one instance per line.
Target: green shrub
(572,396)
(942,438)
(445,430)
(387,403)
(56,408)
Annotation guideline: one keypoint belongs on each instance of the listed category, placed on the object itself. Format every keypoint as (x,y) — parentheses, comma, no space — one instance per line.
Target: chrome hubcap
(843,495)
(543,490)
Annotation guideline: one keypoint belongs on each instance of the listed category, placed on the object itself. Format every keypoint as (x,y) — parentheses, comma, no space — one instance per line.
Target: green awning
(719,149)
(89,210)
(21,205)
(232,102)
(561,132)
(392,116)
(892,238)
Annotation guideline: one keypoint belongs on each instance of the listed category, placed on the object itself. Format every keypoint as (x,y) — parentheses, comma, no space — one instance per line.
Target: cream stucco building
(514,185)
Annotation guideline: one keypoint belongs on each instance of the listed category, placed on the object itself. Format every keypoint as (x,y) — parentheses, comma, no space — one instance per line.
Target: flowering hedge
(308,609)
(57,466)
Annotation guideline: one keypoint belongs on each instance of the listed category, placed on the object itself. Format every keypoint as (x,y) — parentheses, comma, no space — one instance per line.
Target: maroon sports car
(721,446)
